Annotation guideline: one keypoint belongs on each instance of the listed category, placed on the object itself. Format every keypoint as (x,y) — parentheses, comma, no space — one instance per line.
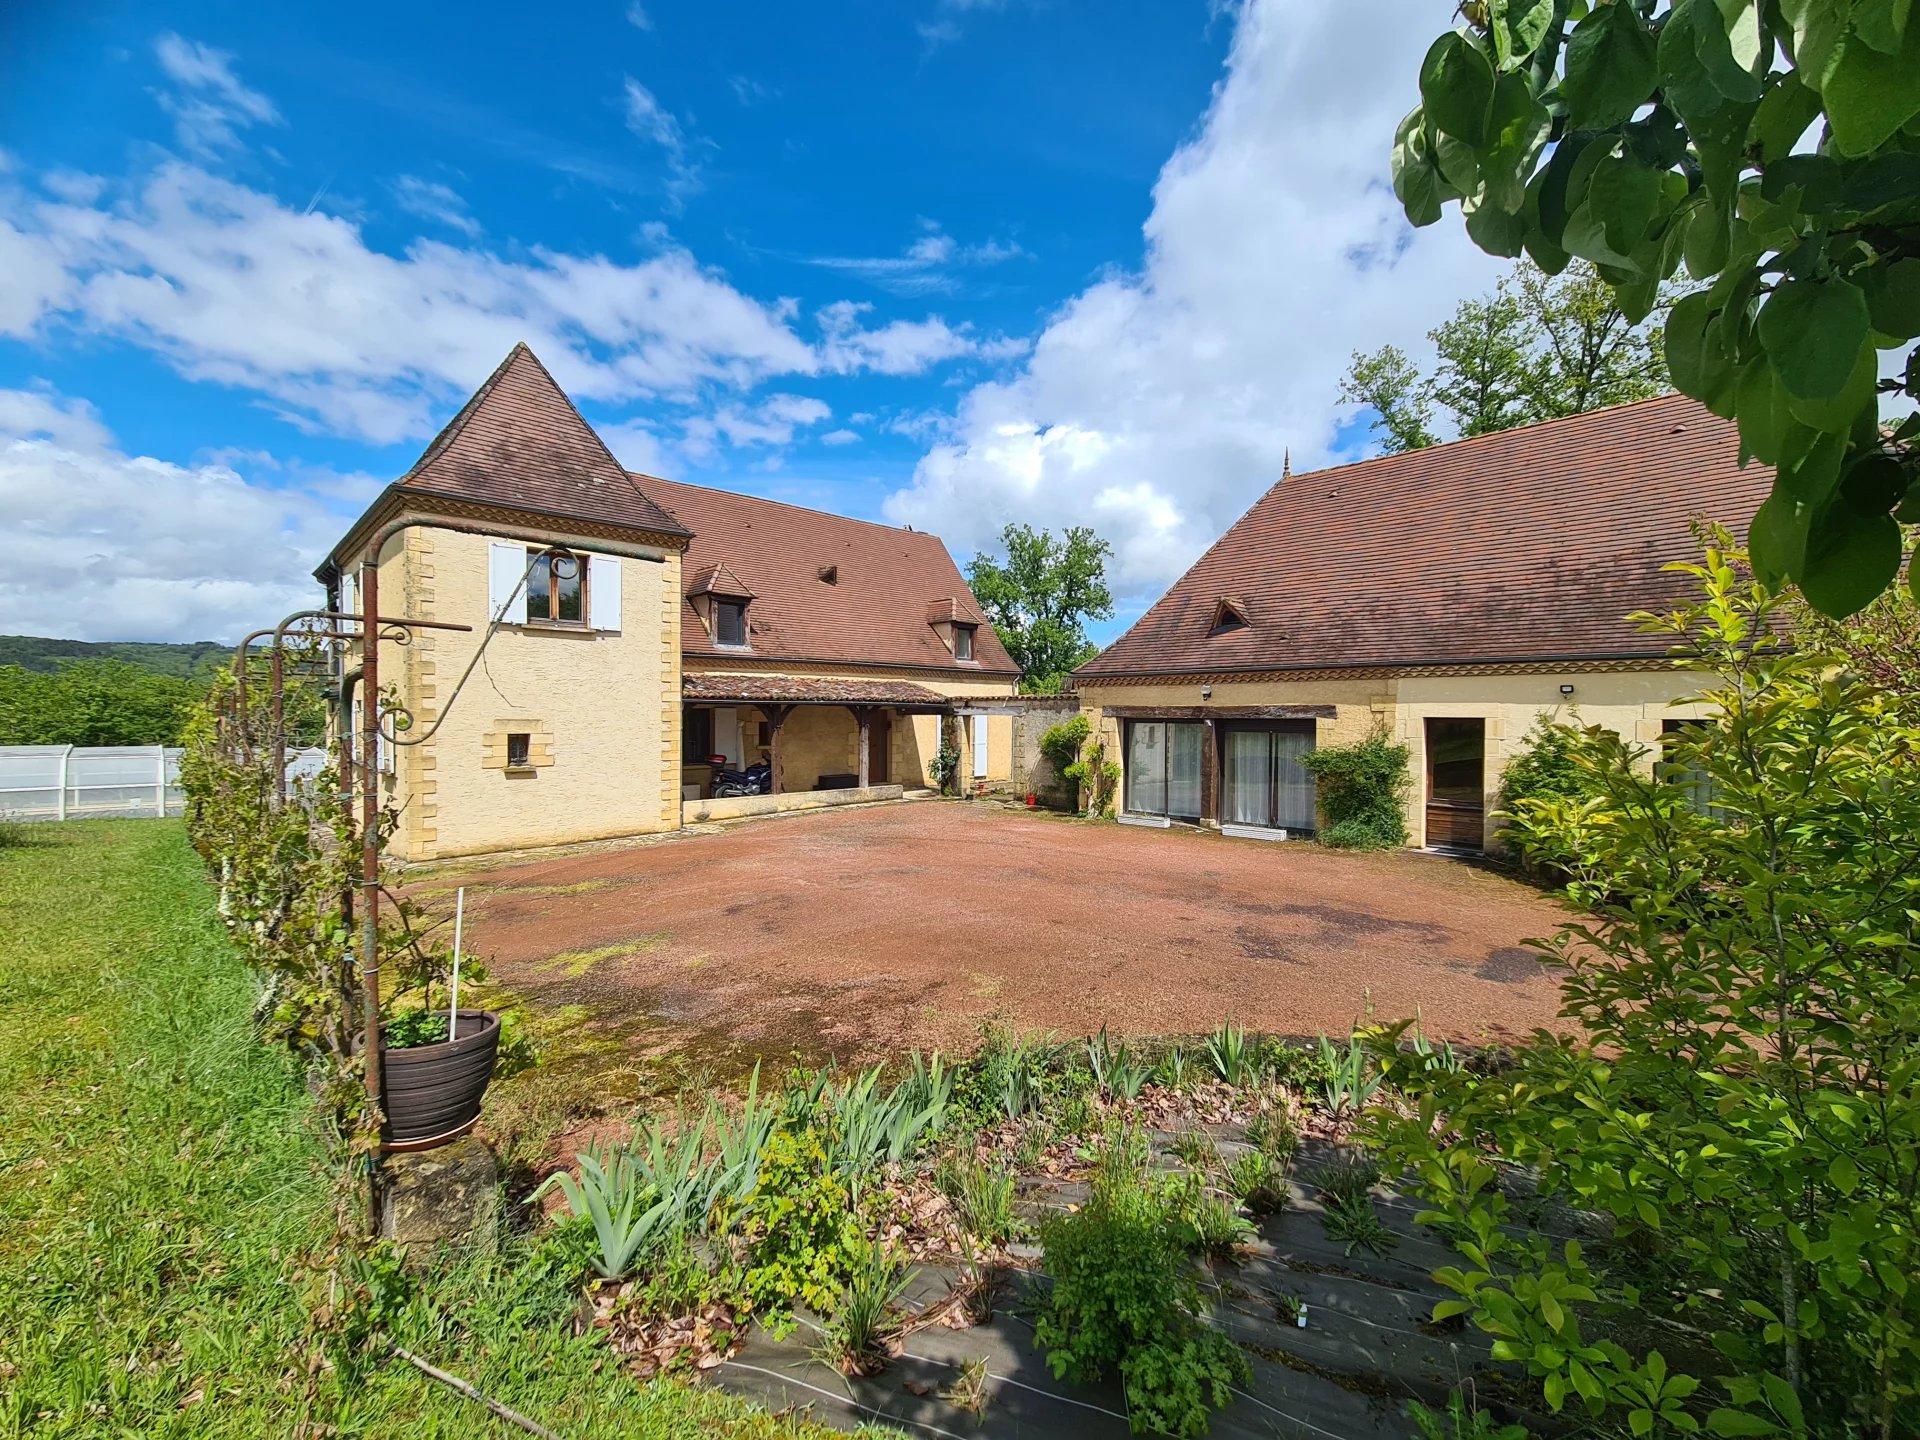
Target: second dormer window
(729,623)
(963,642)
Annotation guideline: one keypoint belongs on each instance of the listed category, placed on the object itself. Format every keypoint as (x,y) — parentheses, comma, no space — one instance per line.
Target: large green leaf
(1726,41)
(1814,331)
(1626,195)
(1696,359)
(1852,555)
(1761,410)
(1518,125)
(1518,27)
(1785,112)
(1893,298)
(1706,239)
(1496,231)
(1416,179)
(1869,94)
(1456,86)
(1611,68)
(1777,540)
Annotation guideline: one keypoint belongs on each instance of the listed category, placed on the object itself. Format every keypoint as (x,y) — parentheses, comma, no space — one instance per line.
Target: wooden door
(879,747)
(1456,784)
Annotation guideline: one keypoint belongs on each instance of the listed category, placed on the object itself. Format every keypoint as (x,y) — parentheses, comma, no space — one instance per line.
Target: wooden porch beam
(1219,712)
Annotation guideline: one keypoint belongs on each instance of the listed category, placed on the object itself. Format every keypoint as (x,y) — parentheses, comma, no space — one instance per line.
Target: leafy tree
(1643,134)
(1390,385)
(1738,1089)
(1539,347)
(94,702)
(1041,596)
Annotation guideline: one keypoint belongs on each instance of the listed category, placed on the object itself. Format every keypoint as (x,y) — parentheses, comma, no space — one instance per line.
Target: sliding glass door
(1266,785)
(1163,769)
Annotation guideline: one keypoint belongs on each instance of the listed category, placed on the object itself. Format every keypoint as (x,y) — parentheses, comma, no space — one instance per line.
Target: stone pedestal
(437,1197)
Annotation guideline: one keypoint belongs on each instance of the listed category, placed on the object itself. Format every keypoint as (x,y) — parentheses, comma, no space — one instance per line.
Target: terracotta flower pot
(432,1093)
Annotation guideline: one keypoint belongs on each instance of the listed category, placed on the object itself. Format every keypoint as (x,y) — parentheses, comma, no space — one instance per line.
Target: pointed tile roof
(718,580)
(520,443)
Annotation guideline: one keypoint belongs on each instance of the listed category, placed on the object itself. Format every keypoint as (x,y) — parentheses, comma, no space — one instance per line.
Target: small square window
(963,642)
(729,623)
(519,748)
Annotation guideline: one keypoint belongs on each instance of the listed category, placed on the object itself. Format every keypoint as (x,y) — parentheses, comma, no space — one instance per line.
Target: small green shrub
(1259,1182)
(1546,766)
(1124,1298)
(1363,790)
(803,1238)
(862,1323)
(1352,1221)
(1197,1150)
(1351,1079)
(1234,1056)
(1289,1064)
(614,1196)
(1352,1174)
(981,1196)
(408,1029)
(1460,1421)
(1206,1224)
(1061,743)
(1076,1115)
(1171,1069)
(1275,1134)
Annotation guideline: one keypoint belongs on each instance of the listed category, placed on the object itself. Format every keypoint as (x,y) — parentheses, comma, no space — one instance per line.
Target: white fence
(73,782)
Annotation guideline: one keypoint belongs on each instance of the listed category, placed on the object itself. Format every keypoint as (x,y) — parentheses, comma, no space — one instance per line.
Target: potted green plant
(432,1083)
(435,1064)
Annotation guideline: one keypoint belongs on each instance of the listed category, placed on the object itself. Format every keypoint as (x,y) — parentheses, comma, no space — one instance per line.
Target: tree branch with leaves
(1772,147)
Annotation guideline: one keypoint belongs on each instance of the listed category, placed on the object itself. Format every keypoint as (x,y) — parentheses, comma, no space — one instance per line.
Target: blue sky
(946,262)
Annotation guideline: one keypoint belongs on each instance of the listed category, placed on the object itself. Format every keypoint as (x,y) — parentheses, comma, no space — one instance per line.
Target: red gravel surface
(855,933)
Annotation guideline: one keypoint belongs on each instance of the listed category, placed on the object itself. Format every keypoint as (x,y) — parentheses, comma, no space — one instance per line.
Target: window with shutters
(557,588)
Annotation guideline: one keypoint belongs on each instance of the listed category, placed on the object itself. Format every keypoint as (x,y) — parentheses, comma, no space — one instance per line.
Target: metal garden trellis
(377,722)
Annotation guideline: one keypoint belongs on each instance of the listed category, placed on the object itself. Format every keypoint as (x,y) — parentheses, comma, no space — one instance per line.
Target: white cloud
(840,437)
(637,16)
(36,280)
(749,91)
(101,545)
(1157,405)
(774,421)
(209,104)
(430,200)
(900,347)
(650,120)
(232,286)
(43,414)
(926,267)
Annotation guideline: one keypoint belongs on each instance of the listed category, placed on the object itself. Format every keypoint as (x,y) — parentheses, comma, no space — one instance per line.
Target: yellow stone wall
(603,709)
(820,740)
(1633,703)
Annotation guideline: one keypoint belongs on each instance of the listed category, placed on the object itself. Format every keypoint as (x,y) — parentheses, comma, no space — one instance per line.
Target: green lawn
(161,1195)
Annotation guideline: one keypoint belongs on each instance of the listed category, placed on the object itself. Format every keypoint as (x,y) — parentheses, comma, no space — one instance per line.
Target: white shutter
(980,747)
(603,591)
(506,564)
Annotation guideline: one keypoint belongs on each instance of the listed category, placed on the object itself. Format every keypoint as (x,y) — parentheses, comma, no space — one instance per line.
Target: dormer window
(1229,615)
(730,623)
(963,642)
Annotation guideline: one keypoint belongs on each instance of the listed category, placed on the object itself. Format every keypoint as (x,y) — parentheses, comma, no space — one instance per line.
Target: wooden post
(1209,773)
(863,717)
(776,717)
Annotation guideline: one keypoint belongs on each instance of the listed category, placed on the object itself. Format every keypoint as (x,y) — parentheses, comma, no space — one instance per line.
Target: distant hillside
(187,661)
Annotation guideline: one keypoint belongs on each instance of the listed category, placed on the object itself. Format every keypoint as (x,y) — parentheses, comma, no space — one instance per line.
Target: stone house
(641,634)
(1449,595)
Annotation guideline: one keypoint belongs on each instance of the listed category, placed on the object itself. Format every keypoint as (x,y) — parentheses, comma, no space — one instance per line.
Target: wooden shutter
(506,564)
(603,592)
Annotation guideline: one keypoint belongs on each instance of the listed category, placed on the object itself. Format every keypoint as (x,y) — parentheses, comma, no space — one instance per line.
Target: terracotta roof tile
(717,580)
(519,442)
(1529,544)
(872,612)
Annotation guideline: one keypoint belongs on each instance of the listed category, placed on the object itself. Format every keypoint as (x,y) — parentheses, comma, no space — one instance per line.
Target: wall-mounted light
(1206,692)
(1566,691)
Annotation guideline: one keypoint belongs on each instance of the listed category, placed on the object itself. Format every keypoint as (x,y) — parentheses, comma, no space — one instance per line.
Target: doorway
(1456,784)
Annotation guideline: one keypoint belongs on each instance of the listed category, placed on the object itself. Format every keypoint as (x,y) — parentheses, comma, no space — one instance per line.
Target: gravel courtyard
(854,933)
